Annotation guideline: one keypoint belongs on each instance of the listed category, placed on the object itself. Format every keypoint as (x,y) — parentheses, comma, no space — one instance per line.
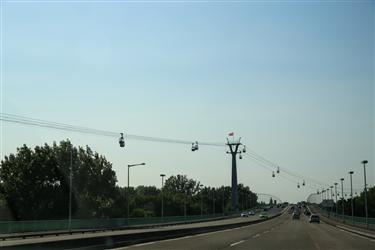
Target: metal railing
(349,220)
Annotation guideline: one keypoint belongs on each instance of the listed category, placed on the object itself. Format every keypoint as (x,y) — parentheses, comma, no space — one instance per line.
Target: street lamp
(130,166)
(342,196)
(162,196)
(200,188)
(364,171)
(351,194)
(70,188)
(213,201)
(331,192)
(336,196)
(223,201)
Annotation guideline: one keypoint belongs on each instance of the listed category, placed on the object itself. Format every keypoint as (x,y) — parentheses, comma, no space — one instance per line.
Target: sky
(294,80)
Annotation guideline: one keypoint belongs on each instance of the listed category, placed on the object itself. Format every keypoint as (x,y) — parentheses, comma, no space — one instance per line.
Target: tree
(35,183)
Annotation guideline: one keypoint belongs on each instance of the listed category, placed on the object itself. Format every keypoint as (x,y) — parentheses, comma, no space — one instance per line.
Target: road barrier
(12,227)
(346,219)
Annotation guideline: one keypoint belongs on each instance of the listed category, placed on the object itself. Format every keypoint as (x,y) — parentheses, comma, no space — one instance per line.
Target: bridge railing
(346,219)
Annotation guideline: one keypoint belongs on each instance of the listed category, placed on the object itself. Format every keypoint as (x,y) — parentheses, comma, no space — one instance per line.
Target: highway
(279,233)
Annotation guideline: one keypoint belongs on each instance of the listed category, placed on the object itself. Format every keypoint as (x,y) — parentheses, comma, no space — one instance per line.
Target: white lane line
(187,237)
(357,235)
(256,236)
(236,243)
(204,234)
(169,240)
(267,231)
(144,244)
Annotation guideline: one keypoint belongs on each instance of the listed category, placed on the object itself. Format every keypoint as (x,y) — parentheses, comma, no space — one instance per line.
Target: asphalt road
(279,233)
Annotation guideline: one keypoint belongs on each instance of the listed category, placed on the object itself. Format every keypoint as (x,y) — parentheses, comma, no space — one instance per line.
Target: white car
(251,213)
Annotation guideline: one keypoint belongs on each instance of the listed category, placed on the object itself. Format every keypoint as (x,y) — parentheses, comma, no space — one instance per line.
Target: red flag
(231,134)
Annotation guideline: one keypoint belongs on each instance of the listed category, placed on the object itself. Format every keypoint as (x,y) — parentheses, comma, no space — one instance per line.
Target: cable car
(121,141)
(278,170)
(244,149)
(317,192)
(240,156)
(194,146)
(298,185)
(303,183)
(273,174)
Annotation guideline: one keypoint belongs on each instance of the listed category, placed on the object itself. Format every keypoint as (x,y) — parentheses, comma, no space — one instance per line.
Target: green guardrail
(8,227)
(347,219)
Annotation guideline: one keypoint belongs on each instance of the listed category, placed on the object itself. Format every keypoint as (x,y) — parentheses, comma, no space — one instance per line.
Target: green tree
(35,183)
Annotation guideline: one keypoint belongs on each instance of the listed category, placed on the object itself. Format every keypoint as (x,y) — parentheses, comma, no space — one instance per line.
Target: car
(314,218)
(244,214)
(251,213)
(263,216)
(295,216)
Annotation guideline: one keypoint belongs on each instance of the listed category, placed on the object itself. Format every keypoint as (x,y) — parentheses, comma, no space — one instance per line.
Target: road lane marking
(267,231)
(187,237)
(256,236)
(204,234)
(316,245)
(354,234)
(173,239)
(236,243)
(144,244)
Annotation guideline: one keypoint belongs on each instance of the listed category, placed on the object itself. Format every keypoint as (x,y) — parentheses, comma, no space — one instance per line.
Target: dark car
(314,218)
(295,216)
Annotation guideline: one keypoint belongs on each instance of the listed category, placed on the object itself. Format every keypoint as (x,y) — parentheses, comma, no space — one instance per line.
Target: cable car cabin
(194,146)
(244,149)
(273,174)
(121,141)
(240,157)
(278,170)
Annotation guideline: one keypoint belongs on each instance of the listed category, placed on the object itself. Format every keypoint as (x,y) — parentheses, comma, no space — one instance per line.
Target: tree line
(35,185)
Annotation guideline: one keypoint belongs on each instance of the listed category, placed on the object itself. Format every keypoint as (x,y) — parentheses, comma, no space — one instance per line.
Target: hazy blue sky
(294,80)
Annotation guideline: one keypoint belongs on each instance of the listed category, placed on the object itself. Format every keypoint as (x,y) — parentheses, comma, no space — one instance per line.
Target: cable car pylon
(235,147)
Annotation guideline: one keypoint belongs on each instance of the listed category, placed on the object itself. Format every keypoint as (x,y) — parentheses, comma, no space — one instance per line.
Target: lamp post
(185,204)
(336,196)
(70,189)
(128,205)
(213,201)
(364,171)
(351,195)
(162,196)
(342,197)
(223,188)
(200,188)
(331,192)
